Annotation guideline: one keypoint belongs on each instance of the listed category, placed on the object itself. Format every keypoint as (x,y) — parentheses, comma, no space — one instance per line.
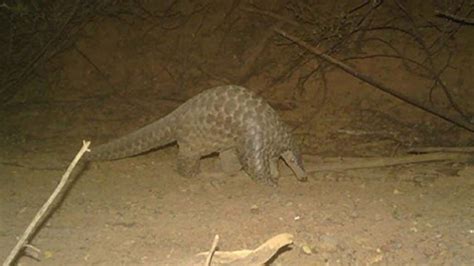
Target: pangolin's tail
(156,134)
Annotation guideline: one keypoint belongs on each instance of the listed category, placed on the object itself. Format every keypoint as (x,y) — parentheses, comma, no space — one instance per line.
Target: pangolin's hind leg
(188,161)
(229,160)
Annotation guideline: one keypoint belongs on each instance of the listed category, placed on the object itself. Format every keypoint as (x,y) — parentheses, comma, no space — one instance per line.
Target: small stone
(376,259)
(306,249)
(48,254)
(254,209)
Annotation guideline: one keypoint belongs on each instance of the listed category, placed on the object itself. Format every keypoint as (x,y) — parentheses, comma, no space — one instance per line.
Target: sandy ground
(140,211)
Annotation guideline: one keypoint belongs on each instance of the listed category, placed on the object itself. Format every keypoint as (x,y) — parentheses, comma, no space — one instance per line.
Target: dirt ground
(139,211)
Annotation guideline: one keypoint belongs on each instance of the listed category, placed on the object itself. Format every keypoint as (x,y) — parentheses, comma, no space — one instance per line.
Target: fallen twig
(212,250)
(344,163)
(441,149)
(258,256)
(46,208)
(377,84)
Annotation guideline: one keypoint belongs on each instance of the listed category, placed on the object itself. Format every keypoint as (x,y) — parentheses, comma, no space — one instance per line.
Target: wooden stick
(375,83)
(212,250)
(334,164)
(46,208)
(258,256)
(441,149)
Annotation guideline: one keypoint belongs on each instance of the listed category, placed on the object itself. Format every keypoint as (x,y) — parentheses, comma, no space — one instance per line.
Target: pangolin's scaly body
(230,120)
